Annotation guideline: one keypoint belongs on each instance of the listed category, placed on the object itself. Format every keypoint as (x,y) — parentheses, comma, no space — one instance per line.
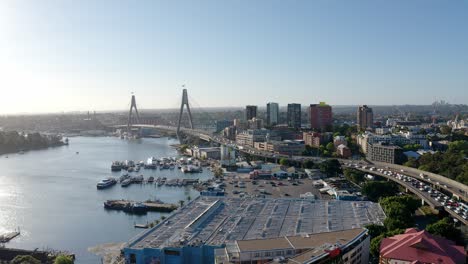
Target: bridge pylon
(130,114)
(186,103)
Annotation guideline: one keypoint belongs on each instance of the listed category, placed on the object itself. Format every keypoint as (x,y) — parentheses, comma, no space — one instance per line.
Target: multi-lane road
(429,191)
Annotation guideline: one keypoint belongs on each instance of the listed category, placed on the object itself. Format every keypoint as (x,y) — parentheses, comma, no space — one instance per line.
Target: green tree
(444,129)
(284,162)
(375,230)
(25,259)
(374,190)
(62,259)
(330,147)
(181,202)
(354,175)
(445,228)
(412,162)
(308,164)
(330,167)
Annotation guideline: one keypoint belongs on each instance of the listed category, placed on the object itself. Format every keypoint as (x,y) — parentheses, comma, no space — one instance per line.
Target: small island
(14,142)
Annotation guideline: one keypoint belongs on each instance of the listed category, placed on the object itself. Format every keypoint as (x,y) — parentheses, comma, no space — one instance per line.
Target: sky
(66,55)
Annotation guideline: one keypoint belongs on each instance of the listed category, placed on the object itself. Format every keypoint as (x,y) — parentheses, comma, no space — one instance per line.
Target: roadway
(423,195)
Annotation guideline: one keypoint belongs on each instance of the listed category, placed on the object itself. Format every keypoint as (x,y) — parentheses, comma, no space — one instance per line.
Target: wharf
(139,207)
(4,238)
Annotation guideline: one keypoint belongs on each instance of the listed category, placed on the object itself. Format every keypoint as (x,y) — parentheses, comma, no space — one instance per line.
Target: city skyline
(78,56)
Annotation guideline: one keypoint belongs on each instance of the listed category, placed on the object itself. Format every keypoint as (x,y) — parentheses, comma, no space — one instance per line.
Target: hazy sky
(90,55)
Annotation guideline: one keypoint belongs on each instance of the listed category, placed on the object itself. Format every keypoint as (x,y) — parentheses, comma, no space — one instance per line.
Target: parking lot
(242,185)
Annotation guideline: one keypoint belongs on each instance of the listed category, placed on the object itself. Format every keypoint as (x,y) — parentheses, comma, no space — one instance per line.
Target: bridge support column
(132,106)
(423,202)
(186,103)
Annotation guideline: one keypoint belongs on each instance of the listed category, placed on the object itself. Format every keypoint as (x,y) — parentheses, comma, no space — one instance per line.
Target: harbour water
(51,194)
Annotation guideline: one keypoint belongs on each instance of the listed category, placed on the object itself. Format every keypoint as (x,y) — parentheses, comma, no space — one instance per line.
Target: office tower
(320,116)
(250,112)
(272,114)
(294,115)
(365,117)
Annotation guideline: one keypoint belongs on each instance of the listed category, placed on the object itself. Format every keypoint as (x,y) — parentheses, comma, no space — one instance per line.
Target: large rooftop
(215,220)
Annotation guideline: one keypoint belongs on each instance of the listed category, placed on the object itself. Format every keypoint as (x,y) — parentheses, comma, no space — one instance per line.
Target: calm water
(51,194)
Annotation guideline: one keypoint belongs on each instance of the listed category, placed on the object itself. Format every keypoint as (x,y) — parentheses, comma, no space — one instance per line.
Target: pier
(139,207)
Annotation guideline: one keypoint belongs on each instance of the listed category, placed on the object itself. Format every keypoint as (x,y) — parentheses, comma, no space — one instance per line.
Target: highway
(408,184)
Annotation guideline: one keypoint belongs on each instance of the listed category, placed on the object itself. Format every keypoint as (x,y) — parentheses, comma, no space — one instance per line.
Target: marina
(41,186)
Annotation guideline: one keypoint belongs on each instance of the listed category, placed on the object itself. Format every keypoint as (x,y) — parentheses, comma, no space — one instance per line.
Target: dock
(4,238)
(139,207)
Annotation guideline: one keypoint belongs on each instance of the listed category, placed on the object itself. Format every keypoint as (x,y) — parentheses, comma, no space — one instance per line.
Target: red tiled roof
(420,246)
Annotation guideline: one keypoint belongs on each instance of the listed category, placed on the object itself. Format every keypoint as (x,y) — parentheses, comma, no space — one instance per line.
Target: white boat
(106,183)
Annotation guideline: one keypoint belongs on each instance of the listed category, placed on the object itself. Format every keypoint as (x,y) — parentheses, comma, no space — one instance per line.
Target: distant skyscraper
(294,115)
(365,117)
(320,116)
(272,113)
(250,112)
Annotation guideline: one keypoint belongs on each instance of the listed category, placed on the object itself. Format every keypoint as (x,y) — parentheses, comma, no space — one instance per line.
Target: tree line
(12,141)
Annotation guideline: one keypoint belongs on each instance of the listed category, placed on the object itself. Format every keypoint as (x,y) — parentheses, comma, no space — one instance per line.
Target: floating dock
(139,207)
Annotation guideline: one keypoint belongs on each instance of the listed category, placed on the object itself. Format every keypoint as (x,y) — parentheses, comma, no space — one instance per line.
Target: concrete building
(321,117)
(314,248)
(285,133)
(272,114)
(206,153)
(250,112)
(195,232)
(339,140)
(294,115)
(228,156)
(382,130)
(401,139)
(255,123)
(240,124)
(312,139)
(222,124)
(343,151)
(285,147)
(383,152)
(230,132)
(250,136)
(365,117)
(420,247)
(315,139)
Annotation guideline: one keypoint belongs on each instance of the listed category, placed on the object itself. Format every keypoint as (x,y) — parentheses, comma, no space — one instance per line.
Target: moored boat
(106,183)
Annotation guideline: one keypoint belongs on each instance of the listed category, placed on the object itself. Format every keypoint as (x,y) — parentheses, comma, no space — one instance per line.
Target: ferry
(106,183)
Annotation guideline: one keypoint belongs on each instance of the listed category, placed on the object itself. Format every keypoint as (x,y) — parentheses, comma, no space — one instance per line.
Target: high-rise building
(250,112)
(365,117)
(320,115)
(255,123)
(294,115)
(272,114)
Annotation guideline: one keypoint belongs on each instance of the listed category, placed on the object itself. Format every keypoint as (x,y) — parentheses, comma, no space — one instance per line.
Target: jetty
(139,207)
